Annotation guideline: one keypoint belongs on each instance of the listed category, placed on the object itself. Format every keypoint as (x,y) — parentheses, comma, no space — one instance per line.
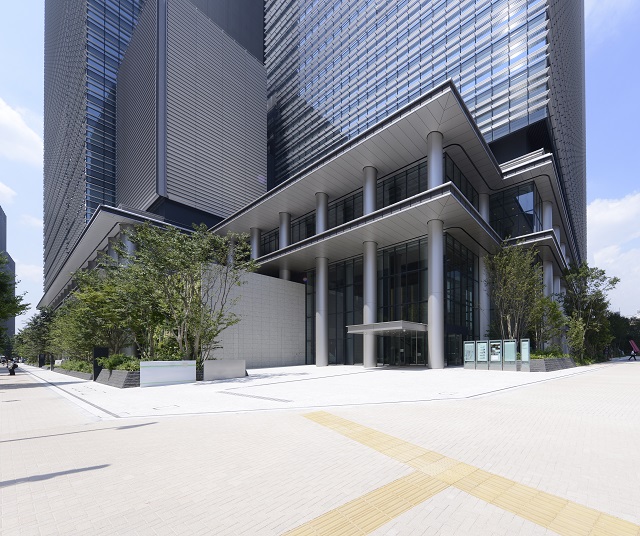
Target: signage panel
(469,351)
(482,351)
(495,351)
(525,352)
(510,350)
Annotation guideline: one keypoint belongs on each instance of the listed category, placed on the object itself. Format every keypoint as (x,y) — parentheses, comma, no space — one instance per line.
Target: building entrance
(408,348)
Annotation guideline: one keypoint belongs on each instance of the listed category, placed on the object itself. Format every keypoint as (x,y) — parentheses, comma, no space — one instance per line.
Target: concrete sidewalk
(324,451)
(294,388)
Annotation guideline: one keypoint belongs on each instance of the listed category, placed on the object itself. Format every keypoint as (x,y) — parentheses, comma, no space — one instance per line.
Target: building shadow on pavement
(128,427)
(47,476)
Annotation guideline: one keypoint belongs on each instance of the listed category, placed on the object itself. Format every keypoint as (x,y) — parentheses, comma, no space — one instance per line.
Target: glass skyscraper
(336,68)
(85,42)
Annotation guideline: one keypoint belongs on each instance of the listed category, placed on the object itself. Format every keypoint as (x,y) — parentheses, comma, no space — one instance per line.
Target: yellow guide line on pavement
(434,473)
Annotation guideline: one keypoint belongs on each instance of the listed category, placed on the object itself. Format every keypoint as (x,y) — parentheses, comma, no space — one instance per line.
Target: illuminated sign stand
(482,355)
(495,355)
(510,352)
(525,355)
(470,354)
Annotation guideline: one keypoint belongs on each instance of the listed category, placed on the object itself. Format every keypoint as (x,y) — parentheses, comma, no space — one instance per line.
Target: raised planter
(549,365)
(121,379)
(224,369)
(154,373)
(74,373)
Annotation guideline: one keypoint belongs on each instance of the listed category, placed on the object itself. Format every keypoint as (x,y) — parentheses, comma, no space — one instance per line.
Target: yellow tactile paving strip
(434,473)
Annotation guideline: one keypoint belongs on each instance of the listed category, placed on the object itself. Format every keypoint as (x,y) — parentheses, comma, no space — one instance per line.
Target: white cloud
(31,221)
(6,194)
(614,245)
(28,273)
(18,141)
(603,18)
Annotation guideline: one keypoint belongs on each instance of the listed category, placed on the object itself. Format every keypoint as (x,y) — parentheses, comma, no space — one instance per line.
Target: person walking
(12,366)
(633,354)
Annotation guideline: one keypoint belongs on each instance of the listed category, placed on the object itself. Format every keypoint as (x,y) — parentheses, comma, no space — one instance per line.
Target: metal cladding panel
(216,115)
(567,108)
(65,80)
(136,114)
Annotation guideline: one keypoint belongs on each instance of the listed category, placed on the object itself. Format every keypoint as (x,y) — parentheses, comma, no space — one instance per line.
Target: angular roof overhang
(547,245)
(394,143)
(105,223)
(390,225)
(540,167)
(395,327)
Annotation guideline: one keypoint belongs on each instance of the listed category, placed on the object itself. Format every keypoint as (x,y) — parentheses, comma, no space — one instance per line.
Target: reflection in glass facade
(516,211)
(84,44)
(337,68)
(402,295)
(110,24)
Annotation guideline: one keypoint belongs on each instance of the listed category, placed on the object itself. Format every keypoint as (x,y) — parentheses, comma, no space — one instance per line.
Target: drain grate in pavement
(256,396)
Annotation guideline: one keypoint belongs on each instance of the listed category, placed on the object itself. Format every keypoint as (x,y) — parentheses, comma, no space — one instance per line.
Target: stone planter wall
(121,379)
(549,365)
(155,373)
(74,373)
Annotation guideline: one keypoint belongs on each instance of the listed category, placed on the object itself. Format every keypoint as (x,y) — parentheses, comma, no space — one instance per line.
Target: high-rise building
(336,68)
(404,142)
(9,325)
(85,41)
(175,128)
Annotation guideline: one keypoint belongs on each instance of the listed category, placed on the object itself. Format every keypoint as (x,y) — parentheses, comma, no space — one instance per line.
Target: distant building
(10,324)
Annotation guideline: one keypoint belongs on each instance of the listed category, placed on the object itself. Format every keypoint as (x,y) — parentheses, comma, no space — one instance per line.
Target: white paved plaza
(337,450)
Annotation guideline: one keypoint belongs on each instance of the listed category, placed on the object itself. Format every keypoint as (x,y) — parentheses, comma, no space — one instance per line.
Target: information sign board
(482,351)
(469,351)
(495,351)
(510,349)
(524,349)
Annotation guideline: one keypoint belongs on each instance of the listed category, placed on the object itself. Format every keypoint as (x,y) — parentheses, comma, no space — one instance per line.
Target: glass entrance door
(408,348)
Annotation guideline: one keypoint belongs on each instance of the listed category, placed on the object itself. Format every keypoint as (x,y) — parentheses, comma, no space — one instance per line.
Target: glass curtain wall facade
(110,24)
(337,68)
(516,211)
(84,44)
(402,295)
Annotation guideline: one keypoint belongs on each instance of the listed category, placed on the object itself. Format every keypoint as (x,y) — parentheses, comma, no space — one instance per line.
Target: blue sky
(613,143)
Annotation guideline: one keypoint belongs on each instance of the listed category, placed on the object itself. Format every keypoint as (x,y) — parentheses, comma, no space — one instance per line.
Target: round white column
(556,285)
(556,231)
(369,189)
(435,165)
(484,303)
(322,212)
(483,205)
(435,307)
(322,311)
(254,237)
(284,235)
(547,215)
(370,299)
(547,277)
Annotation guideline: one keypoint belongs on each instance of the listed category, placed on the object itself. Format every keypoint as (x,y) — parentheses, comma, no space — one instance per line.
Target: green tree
(515,279)
(546,321)
(11,305)
(187,281)
(100,294)
(586,297)
(575,337)
(35,339)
